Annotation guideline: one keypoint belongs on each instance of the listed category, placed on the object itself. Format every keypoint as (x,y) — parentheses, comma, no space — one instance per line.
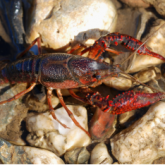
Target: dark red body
(58,71)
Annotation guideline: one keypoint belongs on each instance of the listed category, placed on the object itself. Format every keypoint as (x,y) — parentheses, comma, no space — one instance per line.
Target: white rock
(144,141)
(119,83)
(145,75)
(45,132)
(100,155)
(40,106)
(59,22)
(116,163)
(156,43)
(159,5)
(41,156)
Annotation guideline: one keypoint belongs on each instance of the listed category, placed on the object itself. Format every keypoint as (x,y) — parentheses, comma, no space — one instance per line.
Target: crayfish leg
(51,109)
(75,48)
(84,90)
(59,94)
(113,51)
(17,96)
(76,96)
(38,40)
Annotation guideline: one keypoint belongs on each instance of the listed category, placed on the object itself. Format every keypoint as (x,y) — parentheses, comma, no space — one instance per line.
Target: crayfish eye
(96,76)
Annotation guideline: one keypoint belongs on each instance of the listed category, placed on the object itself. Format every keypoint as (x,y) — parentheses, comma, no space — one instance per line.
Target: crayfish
(66,71)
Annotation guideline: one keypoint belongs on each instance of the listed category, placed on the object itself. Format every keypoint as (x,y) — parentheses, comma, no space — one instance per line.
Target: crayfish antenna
(135,80)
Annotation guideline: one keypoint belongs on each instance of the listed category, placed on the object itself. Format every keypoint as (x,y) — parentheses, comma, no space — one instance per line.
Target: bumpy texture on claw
(131,43)
(97,100)
(131,100)
(125,102)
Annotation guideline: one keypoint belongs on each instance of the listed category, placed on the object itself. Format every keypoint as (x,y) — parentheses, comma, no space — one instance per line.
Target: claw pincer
(131,43)
(131,100)
(125,102)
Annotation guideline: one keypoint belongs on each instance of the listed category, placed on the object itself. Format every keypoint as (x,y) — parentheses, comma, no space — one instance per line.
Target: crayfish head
(88,71)
(103,75)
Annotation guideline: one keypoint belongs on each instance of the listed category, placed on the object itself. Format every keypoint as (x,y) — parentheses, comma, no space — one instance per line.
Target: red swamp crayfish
(66,71)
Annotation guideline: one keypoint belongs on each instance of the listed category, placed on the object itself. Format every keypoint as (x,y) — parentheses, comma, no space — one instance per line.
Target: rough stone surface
(58,22)
(45,132)
(143,142)
(139,3)
(12,114)
(40,106)
(119,83)
(77,156)
(159,6)
(156,43)
(100,155)
(12,154)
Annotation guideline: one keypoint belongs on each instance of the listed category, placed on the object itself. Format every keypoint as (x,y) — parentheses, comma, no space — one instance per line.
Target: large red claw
(97,100)
(125,102)
(131,100)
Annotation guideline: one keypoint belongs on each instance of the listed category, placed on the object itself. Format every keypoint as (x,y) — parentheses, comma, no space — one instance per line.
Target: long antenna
(138,81)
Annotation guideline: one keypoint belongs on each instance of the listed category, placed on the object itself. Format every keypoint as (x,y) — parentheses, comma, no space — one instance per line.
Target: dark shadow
(148,27)
(11,14)
(3,90)
(25,132)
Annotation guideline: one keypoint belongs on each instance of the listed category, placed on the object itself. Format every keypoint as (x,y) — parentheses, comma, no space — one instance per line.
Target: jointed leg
(59,94)
(77,97)
(51,109)
(38,40)
(19,94)
(87,91)
(76,47)
(113,51)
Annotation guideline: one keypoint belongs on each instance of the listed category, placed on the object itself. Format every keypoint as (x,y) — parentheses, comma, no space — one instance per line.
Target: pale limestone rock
(143,142)
(139,3)
(77,156)
(119,83)
(40,106)
(145,75)
(14,154)
(59,22)
(41,156)
(116,163)
(156,43)
(45,132)
(159,5)
(100,155)
(124,117)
